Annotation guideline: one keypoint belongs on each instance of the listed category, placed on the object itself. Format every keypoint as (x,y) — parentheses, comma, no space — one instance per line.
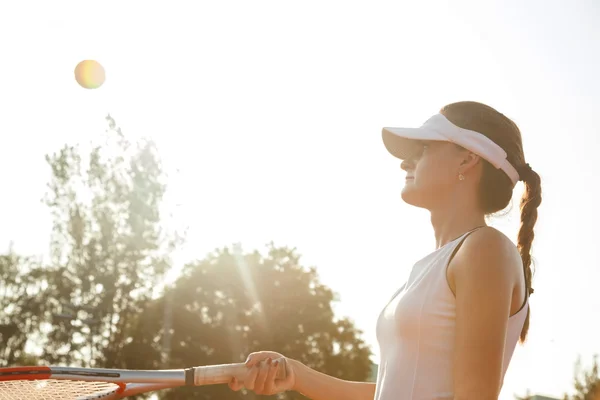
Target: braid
(531,200)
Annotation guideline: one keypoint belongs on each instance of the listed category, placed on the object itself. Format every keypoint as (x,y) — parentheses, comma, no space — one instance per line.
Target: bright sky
(272,112)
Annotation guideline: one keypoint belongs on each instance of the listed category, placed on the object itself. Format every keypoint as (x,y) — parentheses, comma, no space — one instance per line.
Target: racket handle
(219,374)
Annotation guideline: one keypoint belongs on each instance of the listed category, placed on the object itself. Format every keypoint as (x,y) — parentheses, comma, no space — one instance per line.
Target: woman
(450,331)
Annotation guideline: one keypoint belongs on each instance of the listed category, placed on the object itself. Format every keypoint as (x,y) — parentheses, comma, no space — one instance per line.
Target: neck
(450,223)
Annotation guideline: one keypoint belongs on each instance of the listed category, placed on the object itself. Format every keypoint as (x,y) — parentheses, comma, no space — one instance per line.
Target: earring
(461,177)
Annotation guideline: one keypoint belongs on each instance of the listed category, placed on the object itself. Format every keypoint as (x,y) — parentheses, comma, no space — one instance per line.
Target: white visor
(404,142)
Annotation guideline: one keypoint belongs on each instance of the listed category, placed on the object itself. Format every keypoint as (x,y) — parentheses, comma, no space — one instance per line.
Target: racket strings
(51,389)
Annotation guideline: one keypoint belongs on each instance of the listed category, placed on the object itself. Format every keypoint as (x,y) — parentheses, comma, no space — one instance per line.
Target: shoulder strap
(460,242)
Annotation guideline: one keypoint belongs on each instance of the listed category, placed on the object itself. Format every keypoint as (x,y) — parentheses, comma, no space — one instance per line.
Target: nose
(407,165)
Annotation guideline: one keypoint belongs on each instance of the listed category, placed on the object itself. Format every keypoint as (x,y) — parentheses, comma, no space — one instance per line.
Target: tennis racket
(68,383)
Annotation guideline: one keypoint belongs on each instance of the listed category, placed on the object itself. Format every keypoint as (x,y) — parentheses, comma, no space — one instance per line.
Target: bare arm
(261,378)
(318,386)
(485,271)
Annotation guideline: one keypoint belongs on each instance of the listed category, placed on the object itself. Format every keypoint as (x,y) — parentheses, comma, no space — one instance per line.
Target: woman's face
(432,174)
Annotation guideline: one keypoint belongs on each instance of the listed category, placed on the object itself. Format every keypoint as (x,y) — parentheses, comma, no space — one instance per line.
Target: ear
(468,161)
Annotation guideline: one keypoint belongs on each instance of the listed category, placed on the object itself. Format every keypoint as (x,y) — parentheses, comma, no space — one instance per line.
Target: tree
(21,305)
(99,302)
(229,304)
(108,250)
(587,383)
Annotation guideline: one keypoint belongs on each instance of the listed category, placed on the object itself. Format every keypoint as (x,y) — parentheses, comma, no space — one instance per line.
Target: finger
(249,360)
(251,377)
(270,379)
(259,384)
(289,374)
(235,385)
(253,359)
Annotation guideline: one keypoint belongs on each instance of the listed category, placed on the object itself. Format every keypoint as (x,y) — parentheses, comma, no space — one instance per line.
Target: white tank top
(416,333)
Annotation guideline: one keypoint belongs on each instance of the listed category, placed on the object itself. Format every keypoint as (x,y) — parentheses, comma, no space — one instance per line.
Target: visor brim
(403,143)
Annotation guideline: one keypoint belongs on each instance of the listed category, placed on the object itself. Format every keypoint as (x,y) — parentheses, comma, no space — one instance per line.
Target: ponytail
(531,200)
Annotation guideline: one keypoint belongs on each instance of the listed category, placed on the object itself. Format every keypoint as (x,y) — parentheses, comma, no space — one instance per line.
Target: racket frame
(131,382)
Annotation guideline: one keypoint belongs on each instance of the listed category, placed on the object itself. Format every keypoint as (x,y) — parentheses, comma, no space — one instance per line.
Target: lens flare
(90,74)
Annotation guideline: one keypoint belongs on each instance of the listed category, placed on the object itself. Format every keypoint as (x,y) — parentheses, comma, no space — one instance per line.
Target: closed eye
(416,151)
(423,146)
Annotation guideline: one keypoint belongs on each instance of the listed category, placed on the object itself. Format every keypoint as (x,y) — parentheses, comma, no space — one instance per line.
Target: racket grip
(220,374)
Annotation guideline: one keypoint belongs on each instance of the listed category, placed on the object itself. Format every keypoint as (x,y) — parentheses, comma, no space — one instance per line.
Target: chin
(414,197)
(410,196)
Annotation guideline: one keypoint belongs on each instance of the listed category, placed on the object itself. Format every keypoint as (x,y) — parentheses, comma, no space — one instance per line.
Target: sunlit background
(268,115)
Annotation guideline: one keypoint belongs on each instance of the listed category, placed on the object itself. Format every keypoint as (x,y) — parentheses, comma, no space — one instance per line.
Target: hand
(260,378)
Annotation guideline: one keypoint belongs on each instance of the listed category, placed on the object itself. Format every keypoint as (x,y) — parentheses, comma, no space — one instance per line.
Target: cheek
(431,172)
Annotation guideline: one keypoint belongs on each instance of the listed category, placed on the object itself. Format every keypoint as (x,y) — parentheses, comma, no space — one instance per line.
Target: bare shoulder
(489,242)
(485,274)
(487,257)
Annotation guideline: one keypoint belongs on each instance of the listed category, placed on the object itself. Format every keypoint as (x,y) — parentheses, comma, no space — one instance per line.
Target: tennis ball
(89,74)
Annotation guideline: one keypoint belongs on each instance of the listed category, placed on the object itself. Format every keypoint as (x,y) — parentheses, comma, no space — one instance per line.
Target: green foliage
(228,305)
(99,302)
(108,248)
(586,383)
(21,306)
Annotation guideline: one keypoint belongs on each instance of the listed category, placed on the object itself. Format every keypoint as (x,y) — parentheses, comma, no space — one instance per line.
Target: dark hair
(496,188)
